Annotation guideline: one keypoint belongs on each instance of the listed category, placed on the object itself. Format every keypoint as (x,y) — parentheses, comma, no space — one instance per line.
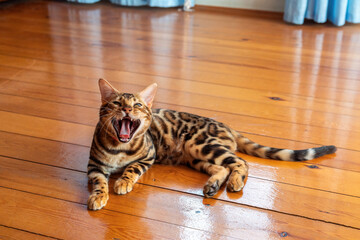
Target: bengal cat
(132,137)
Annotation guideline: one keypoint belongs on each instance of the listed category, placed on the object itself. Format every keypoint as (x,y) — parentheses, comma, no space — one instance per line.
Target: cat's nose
(127,110)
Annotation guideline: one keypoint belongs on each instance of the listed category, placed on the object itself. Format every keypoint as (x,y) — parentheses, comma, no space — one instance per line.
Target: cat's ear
(107,91)
(148,94)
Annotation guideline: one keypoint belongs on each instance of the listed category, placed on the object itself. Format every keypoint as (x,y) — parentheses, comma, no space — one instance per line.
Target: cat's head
(125,116)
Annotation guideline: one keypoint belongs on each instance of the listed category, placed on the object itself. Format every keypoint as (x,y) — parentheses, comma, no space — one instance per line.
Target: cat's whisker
(107,123)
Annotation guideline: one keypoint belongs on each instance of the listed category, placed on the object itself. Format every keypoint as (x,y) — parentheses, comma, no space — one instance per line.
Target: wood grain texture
(157,205)
(52,219)
(65,132)
(7,233)
(184,180)
(281,85)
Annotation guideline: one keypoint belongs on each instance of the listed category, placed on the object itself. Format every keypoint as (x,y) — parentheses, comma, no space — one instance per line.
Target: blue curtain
(336,11)
(137,3)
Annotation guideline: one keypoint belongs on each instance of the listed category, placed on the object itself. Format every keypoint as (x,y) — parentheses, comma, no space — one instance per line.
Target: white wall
(266,5)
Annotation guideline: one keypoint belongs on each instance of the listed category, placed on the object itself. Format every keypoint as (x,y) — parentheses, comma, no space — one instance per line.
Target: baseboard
(263,5)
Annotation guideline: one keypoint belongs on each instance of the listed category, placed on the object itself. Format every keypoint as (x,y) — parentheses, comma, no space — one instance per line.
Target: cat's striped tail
(249,147)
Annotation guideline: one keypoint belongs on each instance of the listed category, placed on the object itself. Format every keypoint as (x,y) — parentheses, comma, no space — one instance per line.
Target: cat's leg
(239,170)
(131,174)
(218,175)
(100,188)
(219,155)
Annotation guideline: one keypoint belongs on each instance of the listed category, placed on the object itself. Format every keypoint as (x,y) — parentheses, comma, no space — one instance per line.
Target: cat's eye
(117,103)
(137,105)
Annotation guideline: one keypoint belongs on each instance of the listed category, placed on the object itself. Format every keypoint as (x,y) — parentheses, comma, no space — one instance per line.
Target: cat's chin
(124,140)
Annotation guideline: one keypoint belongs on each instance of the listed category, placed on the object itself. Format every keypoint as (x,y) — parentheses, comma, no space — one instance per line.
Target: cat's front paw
(123,186)
(97,200)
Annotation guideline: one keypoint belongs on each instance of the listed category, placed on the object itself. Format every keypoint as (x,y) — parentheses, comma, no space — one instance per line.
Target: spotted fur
(170,137)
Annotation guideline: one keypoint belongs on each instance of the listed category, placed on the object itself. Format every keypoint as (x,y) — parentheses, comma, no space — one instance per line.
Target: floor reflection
(80,25)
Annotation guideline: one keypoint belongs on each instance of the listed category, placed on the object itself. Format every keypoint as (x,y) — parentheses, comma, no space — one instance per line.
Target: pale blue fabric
(336,11)
(137,3)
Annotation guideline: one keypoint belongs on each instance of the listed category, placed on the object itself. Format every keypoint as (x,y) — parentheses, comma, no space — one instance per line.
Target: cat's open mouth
(125,128)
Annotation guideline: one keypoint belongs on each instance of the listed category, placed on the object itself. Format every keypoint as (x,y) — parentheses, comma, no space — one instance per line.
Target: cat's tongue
(125,129)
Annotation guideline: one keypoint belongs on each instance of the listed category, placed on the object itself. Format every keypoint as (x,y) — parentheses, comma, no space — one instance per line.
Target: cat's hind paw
(97,200)
(123,186)
(236,182)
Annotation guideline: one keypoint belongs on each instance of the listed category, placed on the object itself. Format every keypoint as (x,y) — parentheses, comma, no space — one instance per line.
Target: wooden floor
(281,85)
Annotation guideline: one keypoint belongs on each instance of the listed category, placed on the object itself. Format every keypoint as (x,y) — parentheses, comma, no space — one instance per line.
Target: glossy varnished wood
(184,180)
(281,85)
(8,233)
(185,209)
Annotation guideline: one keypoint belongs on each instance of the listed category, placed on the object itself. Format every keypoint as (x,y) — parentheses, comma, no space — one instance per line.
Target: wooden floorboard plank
(224,55)
(278,127)
(72,186)
(62,53)
(82,135)
(244,18)
(7,233)
(205,76)
(57,79)
(65,132)
(259,193)
(202,17)
(74,97)
(19,211)
(345,159)
(59,130)
(88,115)
(201,65)
(223,93)
(89,29)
